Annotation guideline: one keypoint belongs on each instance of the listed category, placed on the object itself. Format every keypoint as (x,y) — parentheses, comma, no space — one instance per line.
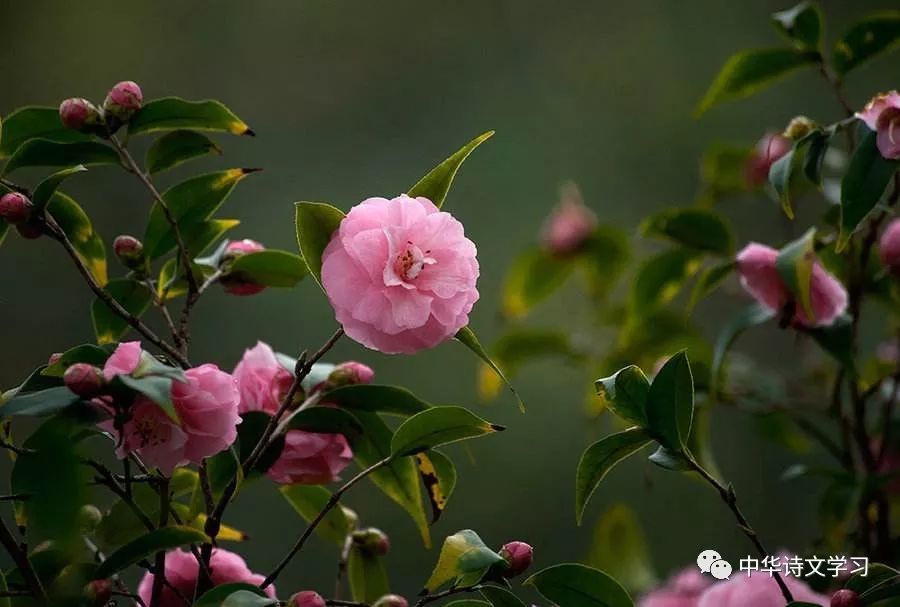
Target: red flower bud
(307,598)
(372,540)
(889,246)
(81,115)
(768,150)
(845,598)
(518,557)
(348,373)
(235,284)
(391,600)
(54,358)
(84,379)
(129,250)
(15,208)
(98,592)
(123,101)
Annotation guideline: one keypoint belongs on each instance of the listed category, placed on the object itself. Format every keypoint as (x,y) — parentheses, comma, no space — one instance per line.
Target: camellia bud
(349,373)
(30,230)
(81,115)
(518,557)
(89,516)
(768,150)
(889,246)
(84,379)
(54,358)
(98,592)
(391,600)
(122,102)
(307,598)
(235,284)
(129,250)
(799,127)
(372,540)
(15,208)
(845,598)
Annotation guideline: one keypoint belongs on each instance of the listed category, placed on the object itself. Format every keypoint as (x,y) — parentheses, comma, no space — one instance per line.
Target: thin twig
(20,558)
(343,561)
(159,566)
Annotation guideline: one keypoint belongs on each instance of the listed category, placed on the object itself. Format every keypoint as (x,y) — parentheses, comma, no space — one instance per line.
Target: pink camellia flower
(207,406)
(758,590)
(768,151)
(123,361)
(307,598)
(123,100)
(310,458)
(889,245)
(152,434)
(261,380)
(569,225)
(234,284)
(681,590)
(400,274)
(182,572)
(760,278)
(882,115)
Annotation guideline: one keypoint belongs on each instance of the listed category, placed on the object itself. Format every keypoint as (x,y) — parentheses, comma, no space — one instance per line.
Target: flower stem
(159,567)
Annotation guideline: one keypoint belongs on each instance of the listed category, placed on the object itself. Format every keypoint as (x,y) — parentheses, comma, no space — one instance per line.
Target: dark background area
(357,99)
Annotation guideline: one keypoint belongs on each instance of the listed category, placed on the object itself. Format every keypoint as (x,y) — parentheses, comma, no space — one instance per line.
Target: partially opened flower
(768,150)
(759,590)
(760,278)
(882,115)
(261,380)
(400,274)
(207,406)
(681,590)
(152,434)
(124,360)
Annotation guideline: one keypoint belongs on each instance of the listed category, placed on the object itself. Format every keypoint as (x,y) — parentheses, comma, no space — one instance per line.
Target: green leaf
(780,174)
(795,265)
(880,582)
(47,188)
(439,477)
(77,226)
(399,479)
(248,598)
(782,171)
(670,460)
(661,277)
(166,538)
(468,338)
(191,203)
(33,122)
(269,268)
(748,72)
(755,314)
(463,555)
(156,388)
(435,185)
(837,340)
(723,169)
(438,426)
(42,402)
(574,585)
(619,548)
(802,24)
(814,161)
(85,353)
(377,399)
(217,596)
(132,295)
(177,147)
(534,275)
(694,228)
(308,501)
(501,597)
(600,458)
(708,280)
(670,403)
(171,113)
(367,575)
(867,176)
(47,153)
(316,222)
(625,394)
(875,34)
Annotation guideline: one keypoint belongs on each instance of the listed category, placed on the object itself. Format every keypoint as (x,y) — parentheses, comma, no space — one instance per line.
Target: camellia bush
(170,442)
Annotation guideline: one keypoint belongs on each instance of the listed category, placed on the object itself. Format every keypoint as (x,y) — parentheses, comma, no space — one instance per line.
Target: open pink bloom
(768,151)
(261,380)
(681,590)
(182,572)
(760,278)
(207,406)
(400,274)
(568,227)
(123,361)
(311,459)
(757,590)
(152,434)
(889,246)
(882,115)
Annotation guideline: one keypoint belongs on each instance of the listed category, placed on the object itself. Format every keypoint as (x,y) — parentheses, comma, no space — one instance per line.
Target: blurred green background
(355,99)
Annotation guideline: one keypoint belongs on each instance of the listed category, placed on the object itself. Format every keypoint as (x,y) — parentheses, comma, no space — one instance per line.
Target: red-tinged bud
(349,373)
(307,598)
(845,598)
(81,115)
(54,358)
(391,600)
(84,379)
(98,592)
(373,541)
(889,246)
(768,150)
(130,251)
(234,283)
(15,208)
(122,102)
(30,230)
(518,557)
